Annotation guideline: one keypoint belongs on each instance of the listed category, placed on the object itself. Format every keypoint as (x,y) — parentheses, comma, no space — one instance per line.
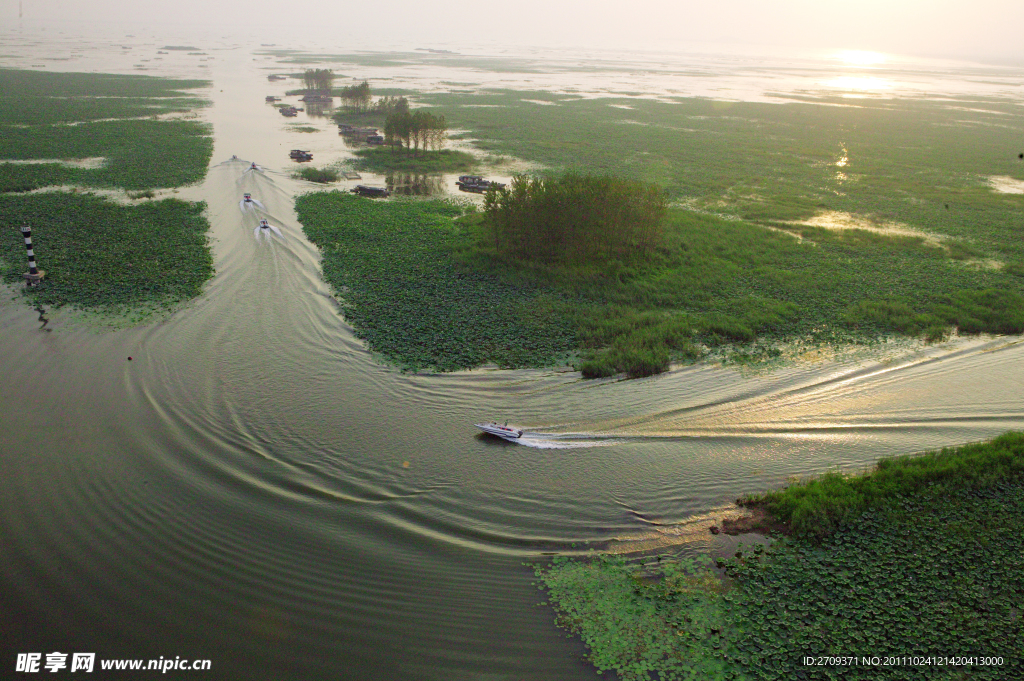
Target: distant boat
(477,184)
(505,432)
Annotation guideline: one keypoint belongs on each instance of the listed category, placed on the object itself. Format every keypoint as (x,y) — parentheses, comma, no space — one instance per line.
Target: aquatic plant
(101,255)
(917,162)
(427,310)
(816,507)
(383,160)
(140,153)
(321,175)
(920,572)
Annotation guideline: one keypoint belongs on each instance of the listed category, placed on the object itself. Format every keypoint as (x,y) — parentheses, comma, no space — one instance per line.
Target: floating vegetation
(140,153)
(321,175)
(303,128)
(384,160)
(906,161)
(407,295)
(98,255)
(714,282)
(101,255)
(930,570)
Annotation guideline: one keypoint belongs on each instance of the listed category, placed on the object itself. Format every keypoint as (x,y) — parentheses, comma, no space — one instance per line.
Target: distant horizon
(939,31)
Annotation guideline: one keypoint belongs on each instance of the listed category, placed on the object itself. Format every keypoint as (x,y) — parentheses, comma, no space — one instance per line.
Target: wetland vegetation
(104,256)
(709,282)
(384,160)
(99,254)
(786,221)
(920,557)
(321,175)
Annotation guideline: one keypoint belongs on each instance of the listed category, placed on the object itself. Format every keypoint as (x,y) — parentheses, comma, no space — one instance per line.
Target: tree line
(575,218)
(318,79)
(357,97)
(415,130)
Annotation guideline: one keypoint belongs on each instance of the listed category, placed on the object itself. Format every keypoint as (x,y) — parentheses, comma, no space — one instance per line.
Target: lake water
(255,489)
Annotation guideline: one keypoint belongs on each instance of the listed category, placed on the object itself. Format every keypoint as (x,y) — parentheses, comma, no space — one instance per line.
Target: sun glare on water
(860,83)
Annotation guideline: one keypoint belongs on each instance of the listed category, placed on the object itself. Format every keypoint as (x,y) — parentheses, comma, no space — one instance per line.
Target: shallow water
(253,488)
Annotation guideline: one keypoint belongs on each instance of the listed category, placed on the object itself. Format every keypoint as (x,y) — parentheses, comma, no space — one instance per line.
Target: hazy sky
(978,28)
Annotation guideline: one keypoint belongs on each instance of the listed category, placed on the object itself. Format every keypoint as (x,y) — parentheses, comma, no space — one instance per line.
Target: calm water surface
(255,489)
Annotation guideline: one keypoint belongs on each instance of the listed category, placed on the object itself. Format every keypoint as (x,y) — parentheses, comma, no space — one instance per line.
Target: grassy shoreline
(911,567)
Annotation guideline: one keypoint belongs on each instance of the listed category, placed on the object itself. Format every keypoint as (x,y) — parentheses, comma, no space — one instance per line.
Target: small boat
(477,184)
(506,431)
(264,224)
(247,198)
(373,192)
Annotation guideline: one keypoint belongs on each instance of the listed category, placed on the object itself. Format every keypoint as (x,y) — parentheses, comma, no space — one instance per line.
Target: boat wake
(267,232)
(565,440)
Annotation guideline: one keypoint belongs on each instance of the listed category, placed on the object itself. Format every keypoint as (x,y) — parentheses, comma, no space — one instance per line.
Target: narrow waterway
(255,489)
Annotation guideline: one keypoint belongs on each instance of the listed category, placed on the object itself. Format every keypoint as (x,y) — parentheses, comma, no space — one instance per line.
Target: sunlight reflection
(870,83)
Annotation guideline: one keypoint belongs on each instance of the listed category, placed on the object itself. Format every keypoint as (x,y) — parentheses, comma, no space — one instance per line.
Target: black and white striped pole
(34,274)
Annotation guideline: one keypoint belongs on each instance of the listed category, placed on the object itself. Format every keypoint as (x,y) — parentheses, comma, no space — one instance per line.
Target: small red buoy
(129,359)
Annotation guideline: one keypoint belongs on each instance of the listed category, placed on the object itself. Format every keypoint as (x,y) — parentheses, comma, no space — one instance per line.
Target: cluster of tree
(575,218)
(391,105)
(318,79)
(356,97)
(416,130)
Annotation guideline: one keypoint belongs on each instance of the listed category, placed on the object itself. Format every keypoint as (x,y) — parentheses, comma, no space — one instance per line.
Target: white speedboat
(506,431)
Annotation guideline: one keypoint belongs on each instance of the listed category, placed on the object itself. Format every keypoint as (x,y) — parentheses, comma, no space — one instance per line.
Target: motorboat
(264,224)
(505,432)
(247,198)
(253,166)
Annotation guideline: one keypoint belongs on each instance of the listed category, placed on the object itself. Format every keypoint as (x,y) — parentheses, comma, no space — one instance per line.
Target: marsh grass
(928,557)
